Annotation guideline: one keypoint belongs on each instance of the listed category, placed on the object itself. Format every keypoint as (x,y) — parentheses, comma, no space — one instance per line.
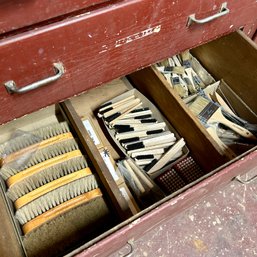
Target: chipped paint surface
(223,224)
(139,35)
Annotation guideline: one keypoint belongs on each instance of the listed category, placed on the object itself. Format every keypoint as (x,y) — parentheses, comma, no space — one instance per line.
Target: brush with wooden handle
(42,159)
(209,112)
(133,176)
(167,157)
(111,105)
(40,191)
(34,140)
(45,176)
(140,174)
(55,198)
(216,97)
(60,210)
(224,148)
(111,121)
(120,108)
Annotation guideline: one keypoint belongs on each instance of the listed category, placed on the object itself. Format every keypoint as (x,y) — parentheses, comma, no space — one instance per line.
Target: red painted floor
(223,224)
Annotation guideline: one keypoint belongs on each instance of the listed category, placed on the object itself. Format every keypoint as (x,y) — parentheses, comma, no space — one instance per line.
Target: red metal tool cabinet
(97,41)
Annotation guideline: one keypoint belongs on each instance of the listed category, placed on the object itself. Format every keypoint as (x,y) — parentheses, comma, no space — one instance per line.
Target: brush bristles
(46,176)
(199,105)
(52,130)
(42,155)
(56,197)
(18,143)
(33,137)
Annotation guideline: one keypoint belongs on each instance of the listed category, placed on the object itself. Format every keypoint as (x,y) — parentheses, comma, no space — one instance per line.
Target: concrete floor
(223,224)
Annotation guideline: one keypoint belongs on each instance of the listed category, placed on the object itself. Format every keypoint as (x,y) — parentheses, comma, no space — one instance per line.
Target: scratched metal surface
(223,224)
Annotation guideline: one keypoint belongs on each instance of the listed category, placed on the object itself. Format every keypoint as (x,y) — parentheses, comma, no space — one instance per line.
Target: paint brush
(225,149)
(134,122)
(179,85)
(160,146)
(135,115)
(133,176)
(169,69)
(168,156)
(122,107)
(110,105)
(152,152)
(217,98)
(140,134)
(146,127)
(112,119)
(209,112)
(163,138)
(140,174)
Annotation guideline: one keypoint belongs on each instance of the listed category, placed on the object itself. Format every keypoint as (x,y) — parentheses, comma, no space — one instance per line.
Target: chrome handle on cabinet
(242,181)
(223,11)
(12,88)
(131,249)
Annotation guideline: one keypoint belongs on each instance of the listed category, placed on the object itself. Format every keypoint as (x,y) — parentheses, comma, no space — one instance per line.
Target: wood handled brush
(222,103)
(209,112)
(224,148)
(42,159)
(112,105)
(38,192)
(27,139)
(55,197)
(168,156)
(47,175)
(32,148)
(60,209)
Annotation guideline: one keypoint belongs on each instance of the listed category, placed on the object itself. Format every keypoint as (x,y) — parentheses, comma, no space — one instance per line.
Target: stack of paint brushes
(212,115)
(141,132)
(53,179)
(185,74)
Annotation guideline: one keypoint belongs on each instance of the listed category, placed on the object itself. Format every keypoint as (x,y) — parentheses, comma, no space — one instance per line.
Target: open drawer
(239,71)
(217,169)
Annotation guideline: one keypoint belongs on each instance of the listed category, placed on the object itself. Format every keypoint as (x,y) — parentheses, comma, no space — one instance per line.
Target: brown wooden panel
(102,171)
(16,14)
(104,44)
(234,59)
(9,243)
(153,85)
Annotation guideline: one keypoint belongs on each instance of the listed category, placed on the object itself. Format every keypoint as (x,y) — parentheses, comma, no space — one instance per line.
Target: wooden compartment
(218,169)
(31,243)
(196,139)
(234,59)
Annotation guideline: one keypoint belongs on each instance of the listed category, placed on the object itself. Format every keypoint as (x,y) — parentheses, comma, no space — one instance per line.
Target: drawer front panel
(17,14)
(169,209)
(102,45)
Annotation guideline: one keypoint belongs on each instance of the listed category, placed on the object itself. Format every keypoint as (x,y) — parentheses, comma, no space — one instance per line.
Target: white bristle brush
(41,155)
(55,197)
(33,137)
(45,176)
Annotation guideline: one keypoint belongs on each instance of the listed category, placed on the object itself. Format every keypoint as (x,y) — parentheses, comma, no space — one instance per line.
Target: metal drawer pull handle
(131,249)
(12,88)
(238,178)
(223,11)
